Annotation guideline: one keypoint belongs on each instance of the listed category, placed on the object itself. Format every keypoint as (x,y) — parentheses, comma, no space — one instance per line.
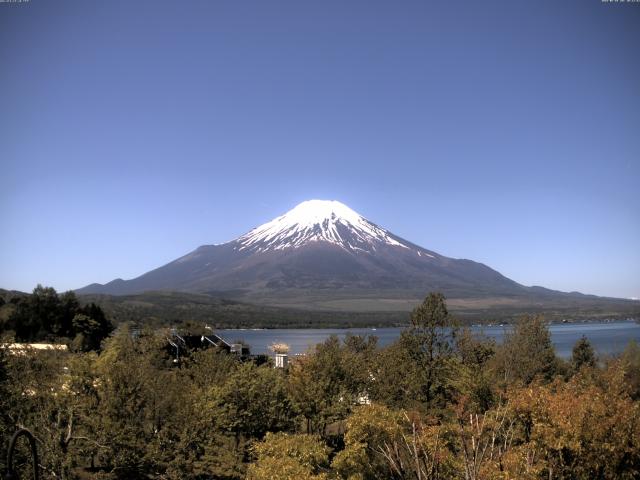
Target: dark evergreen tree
(24,322)
(69,306)
(93,332)
(474,352)
(582,354)
(419,367)
(45,311)
(430,341)
(46,316)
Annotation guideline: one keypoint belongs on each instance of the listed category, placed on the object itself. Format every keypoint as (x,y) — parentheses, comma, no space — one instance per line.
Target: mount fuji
(323,254)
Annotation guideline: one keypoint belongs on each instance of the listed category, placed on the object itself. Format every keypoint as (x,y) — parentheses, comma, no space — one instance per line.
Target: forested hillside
(179,309)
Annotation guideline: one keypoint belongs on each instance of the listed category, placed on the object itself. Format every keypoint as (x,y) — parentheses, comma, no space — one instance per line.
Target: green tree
(369,429)
(430,342)
(90,328)
(527,353)
(86,329)
(6,404)
(52,394)
(582,355)
(35,315)
(45,311)
(210,367)
(474,353)
(138,396)
(396,379)
(251,402)
(358,353)
(326,383)
(630,359)
(68,307)
(95,331)
(420,367)
(44,315)
(160,421)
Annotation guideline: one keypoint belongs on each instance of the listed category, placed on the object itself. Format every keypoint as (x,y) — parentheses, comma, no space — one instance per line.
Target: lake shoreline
(609,337)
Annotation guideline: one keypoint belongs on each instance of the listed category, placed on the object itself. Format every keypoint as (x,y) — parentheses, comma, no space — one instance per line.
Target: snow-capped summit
(319,251)
(318,221)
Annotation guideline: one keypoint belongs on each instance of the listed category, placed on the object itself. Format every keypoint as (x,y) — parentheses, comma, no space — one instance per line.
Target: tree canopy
(439,403)
(46,316)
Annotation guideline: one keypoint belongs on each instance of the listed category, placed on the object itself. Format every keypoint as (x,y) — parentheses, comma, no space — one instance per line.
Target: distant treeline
(161,309)
(177,308)
(45,316)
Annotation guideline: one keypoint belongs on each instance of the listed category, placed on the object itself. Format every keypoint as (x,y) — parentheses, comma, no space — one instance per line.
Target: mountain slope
(161,309)
(318,252)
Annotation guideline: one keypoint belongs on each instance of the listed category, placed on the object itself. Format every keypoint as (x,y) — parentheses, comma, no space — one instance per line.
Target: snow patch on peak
(318,221)
(315,211)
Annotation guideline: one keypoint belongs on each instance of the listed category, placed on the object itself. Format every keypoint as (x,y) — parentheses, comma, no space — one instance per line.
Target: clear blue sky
(508,132)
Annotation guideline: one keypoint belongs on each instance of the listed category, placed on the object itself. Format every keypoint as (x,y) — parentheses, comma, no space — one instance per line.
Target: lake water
(606,337)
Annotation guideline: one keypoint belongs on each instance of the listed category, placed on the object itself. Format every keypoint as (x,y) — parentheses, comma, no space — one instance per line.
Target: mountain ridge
(323,251)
